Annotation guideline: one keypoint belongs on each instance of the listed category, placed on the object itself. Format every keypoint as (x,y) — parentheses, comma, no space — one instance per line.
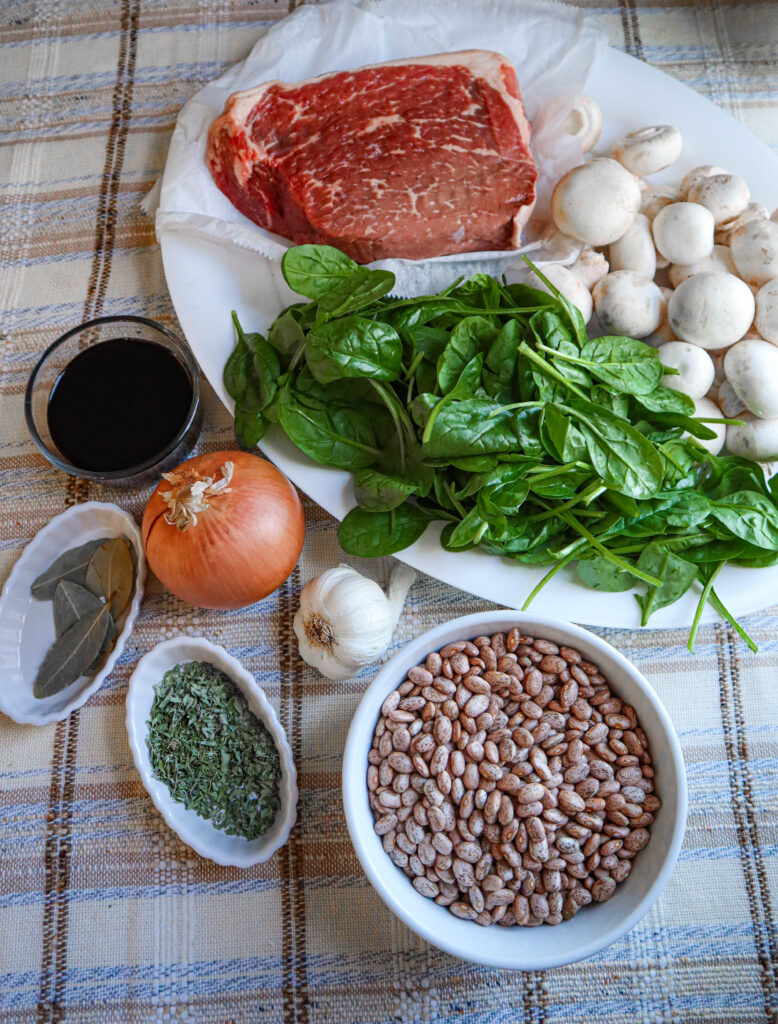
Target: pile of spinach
(487,407)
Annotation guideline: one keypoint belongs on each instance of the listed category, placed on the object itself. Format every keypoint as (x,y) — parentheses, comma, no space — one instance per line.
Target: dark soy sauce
(118,404)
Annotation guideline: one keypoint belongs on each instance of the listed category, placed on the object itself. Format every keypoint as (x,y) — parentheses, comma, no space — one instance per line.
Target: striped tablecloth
(104,915)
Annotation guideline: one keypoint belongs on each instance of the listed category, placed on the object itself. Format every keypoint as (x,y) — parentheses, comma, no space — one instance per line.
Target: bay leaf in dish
(108,645)
(71,603)
(71,565)
(111,574)
(72,654)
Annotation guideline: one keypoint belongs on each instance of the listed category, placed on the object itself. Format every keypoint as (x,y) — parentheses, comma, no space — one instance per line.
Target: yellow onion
(223,530)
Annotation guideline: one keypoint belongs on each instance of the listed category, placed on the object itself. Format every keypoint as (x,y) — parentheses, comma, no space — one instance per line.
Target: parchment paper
(552,47)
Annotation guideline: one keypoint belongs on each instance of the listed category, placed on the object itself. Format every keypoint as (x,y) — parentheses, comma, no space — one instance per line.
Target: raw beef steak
(412,158)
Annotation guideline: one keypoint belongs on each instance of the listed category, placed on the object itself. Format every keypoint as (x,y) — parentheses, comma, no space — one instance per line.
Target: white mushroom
(628,303)
(584,122)
(767,311)
(752,370)
(573,289)
(755,251)
(729,402)
(683,232)
(697,174)
(635,249)
(596,202)
(725,195)
(719,259)
(656,197)
(712,309)
(694,365)
(590,267)
(756,439)
(704,407)
(754,211)
(648,150)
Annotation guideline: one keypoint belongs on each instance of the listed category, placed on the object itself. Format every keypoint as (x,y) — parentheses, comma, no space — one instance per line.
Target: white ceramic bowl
(27,625)
(595,926)
(210,842)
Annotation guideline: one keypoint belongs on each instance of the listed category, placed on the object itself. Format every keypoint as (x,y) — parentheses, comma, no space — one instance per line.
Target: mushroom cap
(635,249)
(596,202)
(711,309)
(573,289)
(628,303)
(719,259)
(697,174)
(729,402)
(725,195)
(683,232)
(754,247)
(584,122)
(754,211)
(704,407)
(756,440)
(752,370)
(589,267)
(694,365)
(648,150)
(656,197)
(767,311)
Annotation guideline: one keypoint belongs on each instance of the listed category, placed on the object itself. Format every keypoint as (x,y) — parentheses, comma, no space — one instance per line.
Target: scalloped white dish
(207,280)
(27,625)
(201,835)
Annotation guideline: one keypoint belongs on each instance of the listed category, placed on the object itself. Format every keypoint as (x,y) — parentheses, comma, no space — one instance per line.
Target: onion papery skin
(242,547)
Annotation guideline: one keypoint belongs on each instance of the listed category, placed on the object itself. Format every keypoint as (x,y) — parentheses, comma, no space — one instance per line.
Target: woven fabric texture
(105,916)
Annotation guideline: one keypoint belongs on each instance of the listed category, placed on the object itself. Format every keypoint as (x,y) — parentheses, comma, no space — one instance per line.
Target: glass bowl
(66,348)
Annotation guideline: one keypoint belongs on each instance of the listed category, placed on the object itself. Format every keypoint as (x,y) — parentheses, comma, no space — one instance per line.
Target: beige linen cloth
(105,916)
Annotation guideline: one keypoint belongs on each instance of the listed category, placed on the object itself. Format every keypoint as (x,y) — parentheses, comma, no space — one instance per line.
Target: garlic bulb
(345,621)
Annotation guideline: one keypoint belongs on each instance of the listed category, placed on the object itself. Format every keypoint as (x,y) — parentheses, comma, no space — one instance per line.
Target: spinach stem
(607,553)
(701,604)
(538,517)
(551,573)
(718,604)
(533,356)
(414,365)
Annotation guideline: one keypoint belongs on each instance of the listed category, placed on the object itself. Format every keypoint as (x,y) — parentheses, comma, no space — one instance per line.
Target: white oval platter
(27,625)
(201,835)
(207,280)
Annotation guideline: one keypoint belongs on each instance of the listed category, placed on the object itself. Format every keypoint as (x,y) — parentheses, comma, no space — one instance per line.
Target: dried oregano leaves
(90,586)
(214,756)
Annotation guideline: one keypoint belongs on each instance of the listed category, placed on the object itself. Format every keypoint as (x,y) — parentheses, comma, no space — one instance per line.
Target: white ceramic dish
(596,926)
(210,842)
(207,280)
(27,625)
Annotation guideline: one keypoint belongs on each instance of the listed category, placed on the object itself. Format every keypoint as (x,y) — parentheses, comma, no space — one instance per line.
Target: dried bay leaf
(71,603)
(108,645)
(71,565)
(72,654)
(111,574)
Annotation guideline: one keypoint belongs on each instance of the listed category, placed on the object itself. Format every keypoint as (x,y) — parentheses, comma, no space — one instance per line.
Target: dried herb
(111,574)
(72,654)
(71,603)
(214,756)
(71,565)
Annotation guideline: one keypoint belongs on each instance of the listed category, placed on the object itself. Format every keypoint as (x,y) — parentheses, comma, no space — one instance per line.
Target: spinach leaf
(625,461)
(250,428)
(473,335)
(676,574)
(336,435)
(353,347)
(624,364)
(311,270)
(600,574)
(355,292)
(749,515)
(286,333)
(476,426)
(379,492)
(666,400)
(374,534)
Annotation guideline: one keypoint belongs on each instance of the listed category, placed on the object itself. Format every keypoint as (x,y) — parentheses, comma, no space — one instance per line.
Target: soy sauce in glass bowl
(115,400)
